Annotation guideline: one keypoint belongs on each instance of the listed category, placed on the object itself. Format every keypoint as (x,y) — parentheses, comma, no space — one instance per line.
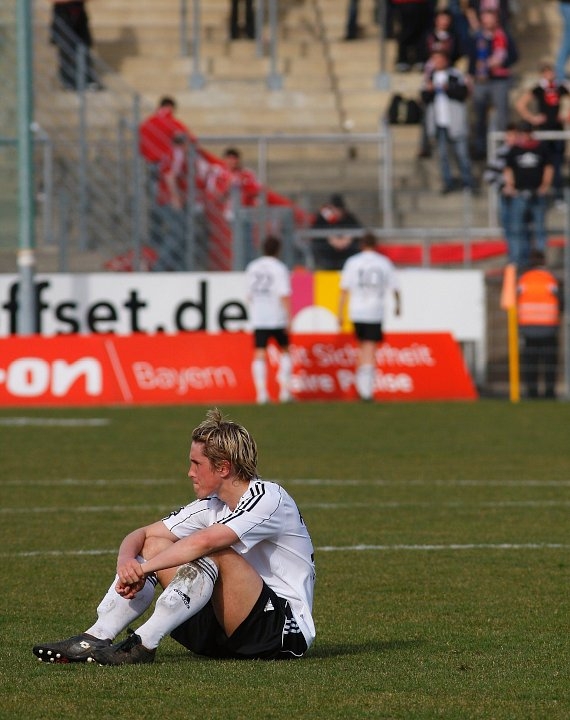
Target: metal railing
(191,40)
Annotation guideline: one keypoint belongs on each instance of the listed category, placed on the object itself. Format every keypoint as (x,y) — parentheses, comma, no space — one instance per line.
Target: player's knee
(154,545)
(191,579)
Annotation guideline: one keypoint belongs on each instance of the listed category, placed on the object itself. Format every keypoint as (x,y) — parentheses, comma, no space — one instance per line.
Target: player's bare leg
(236,591)
(259,375)
(366,370)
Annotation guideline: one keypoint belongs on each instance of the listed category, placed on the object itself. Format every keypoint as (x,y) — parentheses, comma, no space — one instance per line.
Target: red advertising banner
(214,368)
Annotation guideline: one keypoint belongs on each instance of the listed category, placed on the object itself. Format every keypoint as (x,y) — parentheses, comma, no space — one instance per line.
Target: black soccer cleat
(127,652)
(75,649)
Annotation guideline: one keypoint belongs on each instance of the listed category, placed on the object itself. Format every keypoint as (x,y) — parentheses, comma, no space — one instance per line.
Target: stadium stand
(329,86)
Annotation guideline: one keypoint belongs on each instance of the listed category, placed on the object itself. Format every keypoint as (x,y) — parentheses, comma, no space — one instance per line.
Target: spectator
(365,279)
(331,251)
(491,77)
(528,177)
(414,19)
(353,30)
(236,29)
(539,304)
(541,107)
(564,49)
(494,176)
(443,38)
(269,298)
(444,94)
(476,7)
(70,31)
(172,204)
(234,186)
(156,134)
(460,24)
(157,131)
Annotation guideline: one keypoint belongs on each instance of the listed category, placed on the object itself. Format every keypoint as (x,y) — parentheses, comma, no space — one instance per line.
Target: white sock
(259,375)
(115,613)
(189,591)
(365,381)
(284,377)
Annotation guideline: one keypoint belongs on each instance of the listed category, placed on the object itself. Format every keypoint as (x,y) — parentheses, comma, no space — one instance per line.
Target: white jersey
(368,276)
(273,539)
(268,282)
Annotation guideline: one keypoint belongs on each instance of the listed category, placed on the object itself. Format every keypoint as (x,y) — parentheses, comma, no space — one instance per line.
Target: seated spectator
(541,107)
(331,251)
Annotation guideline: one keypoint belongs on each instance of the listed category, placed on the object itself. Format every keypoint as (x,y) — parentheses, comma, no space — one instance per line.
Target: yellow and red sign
(215,368)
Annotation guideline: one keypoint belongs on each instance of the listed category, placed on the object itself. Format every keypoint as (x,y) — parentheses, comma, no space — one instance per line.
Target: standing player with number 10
(365,279)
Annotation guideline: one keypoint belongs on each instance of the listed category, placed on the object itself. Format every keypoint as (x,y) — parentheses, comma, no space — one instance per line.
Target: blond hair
(225,440)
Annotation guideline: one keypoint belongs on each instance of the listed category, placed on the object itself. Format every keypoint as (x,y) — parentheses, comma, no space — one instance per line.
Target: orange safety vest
(538,298)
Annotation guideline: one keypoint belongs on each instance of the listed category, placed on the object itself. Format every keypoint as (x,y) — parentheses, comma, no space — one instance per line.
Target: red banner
(214,368)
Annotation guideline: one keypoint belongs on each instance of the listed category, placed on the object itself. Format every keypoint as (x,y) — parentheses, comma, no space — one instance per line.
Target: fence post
(238,235)
(385,179)
(191,254)
(48,187)
(63,198)
(382,81)
(137,184)
(259,22)
(274,79)
(26,226)
(80,83)
(197,80)
(467,225)
(566,251)
(184,28)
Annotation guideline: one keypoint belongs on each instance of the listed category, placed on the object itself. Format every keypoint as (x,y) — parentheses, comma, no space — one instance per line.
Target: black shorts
(369,331)
(262,337)
(269,632)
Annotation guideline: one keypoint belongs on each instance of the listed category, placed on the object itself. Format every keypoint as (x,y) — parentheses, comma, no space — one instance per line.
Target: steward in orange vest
(538,305)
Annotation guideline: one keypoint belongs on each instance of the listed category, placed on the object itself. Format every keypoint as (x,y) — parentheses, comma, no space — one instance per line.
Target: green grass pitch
(442,547)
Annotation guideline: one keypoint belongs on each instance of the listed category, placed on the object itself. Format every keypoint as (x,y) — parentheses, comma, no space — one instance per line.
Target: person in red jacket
(539,305)
(232,187)
(158,130)
(156,143)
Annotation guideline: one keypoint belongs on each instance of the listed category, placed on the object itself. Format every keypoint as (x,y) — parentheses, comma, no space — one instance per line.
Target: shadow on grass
(338,649)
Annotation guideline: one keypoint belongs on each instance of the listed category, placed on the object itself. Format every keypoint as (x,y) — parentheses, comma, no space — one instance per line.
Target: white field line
(325,548)
(304,506)
(100,482)
(18,482)
(56,422)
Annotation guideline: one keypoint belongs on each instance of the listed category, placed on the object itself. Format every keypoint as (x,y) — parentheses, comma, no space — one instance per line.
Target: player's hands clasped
(131,578)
